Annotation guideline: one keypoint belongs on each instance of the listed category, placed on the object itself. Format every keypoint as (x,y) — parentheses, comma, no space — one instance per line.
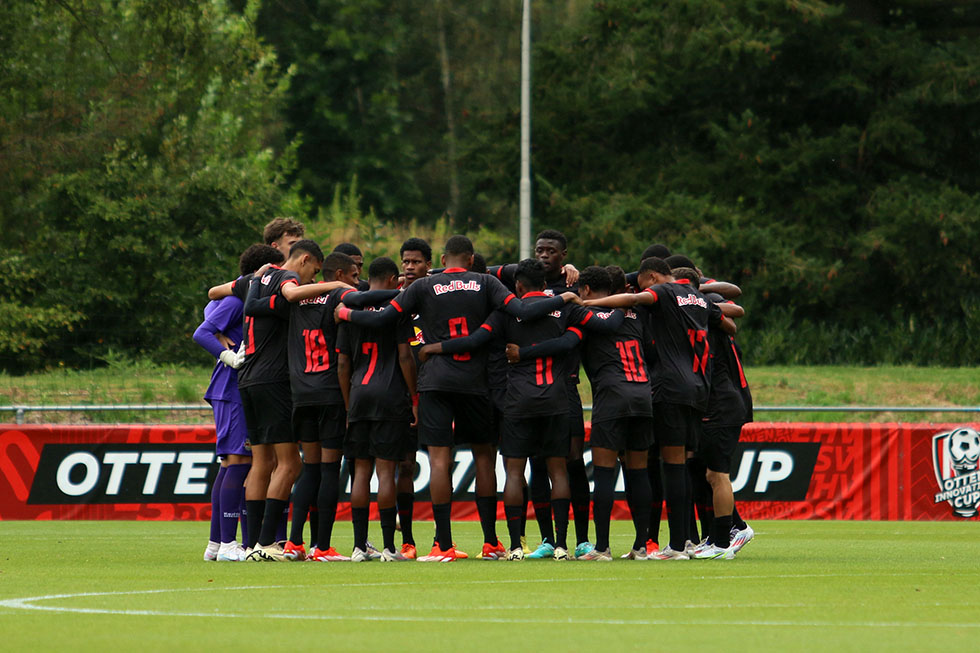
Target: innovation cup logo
(956,461)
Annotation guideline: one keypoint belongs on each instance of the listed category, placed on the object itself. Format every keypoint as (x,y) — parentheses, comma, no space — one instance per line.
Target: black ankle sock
(721,531)
(359,518)
(513,515)
(442,514)
(326,502)
(387,518)
(255,510)
(677,512)
(560,508)
(304,494)
(578,483)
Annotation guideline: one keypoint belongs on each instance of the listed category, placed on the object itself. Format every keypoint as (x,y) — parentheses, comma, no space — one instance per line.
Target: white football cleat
(231,552)
(668,553)
(741,538)
(211,552)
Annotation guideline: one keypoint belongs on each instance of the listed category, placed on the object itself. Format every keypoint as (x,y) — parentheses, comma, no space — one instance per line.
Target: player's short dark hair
(679,261)
(596,278)
(657,249)
(654,264)
(278,227)
(382,268)
(336,261)
(530,272)
(458,245)
(308,246)
(417,245)
(618,277)
(348,248)
(257,255)
(553,234)
(686,274)
(479,263)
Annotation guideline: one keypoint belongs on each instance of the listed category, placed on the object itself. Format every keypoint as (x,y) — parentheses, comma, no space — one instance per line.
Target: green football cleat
(583,548)
(545,550)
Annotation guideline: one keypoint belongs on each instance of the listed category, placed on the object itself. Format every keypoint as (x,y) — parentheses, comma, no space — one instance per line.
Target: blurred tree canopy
(823,156)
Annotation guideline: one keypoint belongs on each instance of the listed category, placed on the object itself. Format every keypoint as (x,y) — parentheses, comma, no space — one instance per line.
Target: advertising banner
(780,471)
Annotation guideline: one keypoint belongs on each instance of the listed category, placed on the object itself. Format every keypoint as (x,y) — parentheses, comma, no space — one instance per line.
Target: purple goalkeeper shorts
(229,424)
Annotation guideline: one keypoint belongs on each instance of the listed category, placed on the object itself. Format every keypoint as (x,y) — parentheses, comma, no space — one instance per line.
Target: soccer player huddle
(311,372)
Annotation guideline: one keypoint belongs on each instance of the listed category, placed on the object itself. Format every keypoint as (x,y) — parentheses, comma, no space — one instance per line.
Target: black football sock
(359,519)
(271,520)
(527,497)
(540,491)
(513,515)
(721,531)
(560,507)
(702,496)
(602,503)
(737,520)
(692,523)
(578,483)
(639,489)
(406,513)
(442,514)
(283,523)
(254,511)
(304,492)
(314,518)
(656,498)
(387,518)
(676,494)
(486,507)
(326,503)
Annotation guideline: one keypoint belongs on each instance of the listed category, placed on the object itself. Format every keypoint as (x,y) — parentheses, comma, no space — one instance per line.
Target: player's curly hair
(618,277)
(686,274)
(458,245)
(657,249)
(655,264)
(257,255)
(530,272)
(308,246)
(382,268)
(596,278)
(417,245)
(336,261)
(553,234)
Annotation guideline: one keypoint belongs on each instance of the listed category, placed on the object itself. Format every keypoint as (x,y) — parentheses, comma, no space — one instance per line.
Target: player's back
(313,351)
(617,369)
(265,335)
(378,389)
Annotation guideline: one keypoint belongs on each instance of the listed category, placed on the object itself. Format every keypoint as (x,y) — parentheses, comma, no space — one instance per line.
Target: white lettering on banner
(455,285)
(744,470)
(87,484)
(691,300)
(191,479)
(118,461)
(774,466)
(156,461)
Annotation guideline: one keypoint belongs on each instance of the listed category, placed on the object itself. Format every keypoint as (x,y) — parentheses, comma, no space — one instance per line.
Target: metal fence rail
(20,411)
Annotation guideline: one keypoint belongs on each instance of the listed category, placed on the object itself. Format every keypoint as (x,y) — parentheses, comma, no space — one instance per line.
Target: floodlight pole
(525,185)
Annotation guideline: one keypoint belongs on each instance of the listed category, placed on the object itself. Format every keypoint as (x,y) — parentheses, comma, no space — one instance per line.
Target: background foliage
(821,156)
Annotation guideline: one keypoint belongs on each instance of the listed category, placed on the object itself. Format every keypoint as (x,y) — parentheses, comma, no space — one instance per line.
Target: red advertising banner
(780,471)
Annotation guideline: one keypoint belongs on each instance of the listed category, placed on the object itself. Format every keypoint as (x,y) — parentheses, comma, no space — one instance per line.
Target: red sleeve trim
(588,316)
(576,332)
(487,327)
(397,306)
(509,297)
(272,301)
(288,281)
(500,271)
(654,293)
(537,293)
(345,293)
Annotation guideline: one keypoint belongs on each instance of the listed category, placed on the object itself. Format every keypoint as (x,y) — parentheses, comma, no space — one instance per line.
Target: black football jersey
(536,386)
(725,404)
(617,369)
(313,350)
(265,329)
(453,304)
(678,323)
(378,391)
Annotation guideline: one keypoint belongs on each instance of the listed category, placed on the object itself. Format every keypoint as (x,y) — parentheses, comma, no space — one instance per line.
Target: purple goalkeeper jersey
(221,316)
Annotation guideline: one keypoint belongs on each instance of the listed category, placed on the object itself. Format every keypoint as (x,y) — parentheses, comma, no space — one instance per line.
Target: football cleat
(360,555)
(269,553)
(516,554)
(741,538)
(652,547)
(438,555)
(327,555)
(372,551)
(690,546)
(211,552)
(583,548)
(460,555)
(544,550)
(524,547)
(294,552)
(230,552)
(561,553)
(596,555)
(392,556)
(492,552)
(668,553)
(409,551)
(712,552)
(635,554)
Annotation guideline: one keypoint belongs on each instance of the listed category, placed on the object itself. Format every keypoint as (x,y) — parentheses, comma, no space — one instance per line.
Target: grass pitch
(854,586)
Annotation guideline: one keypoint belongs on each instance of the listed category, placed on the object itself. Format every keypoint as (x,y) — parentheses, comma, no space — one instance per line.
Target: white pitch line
(29,603)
